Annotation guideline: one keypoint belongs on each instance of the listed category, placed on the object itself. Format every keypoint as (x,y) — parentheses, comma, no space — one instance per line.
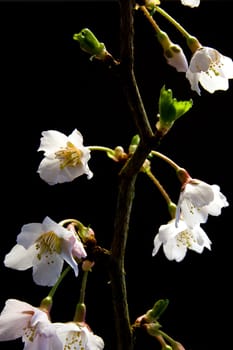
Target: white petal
(211,82)
(14,318)
(47,270)
(76,139)
(227,67)
(157,245)
(193,216)
(193,79)
(19,258)
(173,251)
(201,237)
(51,141)
(29,234)
(199,193)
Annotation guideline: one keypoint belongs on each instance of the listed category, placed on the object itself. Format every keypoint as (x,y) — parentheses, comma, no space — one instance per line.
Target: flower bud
(173,53)
(89,43)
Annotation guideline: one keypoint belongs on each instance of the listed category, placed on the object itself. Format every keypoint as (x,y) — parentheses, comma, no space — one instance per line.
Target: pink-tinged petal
(41,333)
(78,250)
(52,140)
(19,258)
(66,253)
(47,270)
(14,318)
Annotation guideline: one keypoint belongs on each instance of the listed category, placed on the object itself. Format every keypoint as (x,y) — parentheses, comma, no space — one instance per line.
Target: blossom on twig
(177,240)
(65,157)
(20,319)
(211,69)
(197,200)
(44,247)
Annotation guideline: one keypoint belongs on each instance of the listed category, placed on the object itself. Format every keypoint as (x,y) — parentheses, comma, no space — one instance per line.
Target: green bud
(157,310)
(89,43)
(170,109)
(134,143)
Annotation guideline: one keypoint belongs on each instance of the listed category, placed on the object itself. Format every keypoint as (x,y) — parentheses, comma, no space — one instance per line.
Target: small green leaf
(170,109)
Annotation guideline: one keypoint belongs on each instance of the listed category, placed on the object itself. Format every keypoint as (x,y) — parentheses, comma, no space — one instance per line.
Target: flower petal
(19,258)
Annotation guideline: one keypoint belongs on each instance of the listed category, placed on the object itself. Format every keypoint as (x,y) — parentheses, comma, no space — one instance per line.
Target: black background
(48,83)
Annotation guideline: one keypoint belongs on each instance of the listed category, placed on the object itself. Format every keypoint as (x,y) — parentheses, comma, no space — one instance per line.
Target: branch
(127,178)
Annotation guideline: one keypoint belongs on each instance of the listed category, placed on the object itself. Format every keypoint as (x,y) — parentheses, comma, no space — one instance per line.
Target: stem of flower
(80,312)
(83,287)
(168,160)
(167,337)
(101,148)
(54,288)
(159,186)
(150,19)
(176,24)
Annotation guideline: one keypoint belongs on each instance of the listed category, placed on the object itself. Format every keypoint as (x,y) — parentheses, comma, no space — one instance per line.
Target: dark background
(47,82)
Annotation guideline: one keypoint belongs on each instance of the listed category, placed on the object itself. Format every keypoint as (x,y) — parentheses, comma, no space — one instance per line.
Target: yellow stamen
(70,156)
(48,243)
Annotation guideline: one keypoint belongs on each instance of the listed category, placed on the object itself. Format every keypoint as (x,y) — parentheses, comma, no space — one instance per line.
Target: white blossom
(44,247)
(197,200)
(177,240)
(211,69)
(65,157)
(22,320)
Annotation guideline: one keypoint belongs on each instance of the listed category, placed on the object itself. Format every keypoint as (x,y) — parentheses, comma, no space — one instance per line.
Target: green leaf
(170,109)
(158,309)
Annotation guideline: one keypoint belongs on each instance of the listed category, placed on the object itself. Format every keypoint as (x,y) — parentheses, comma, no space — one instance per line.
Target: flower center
(185,238)
(29,333)
(48,244)
(70,156)
(74,341)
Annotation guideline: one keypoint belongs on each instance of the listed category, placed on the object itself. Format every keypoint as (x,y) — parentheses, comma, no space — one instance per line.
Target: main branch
(127,178)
